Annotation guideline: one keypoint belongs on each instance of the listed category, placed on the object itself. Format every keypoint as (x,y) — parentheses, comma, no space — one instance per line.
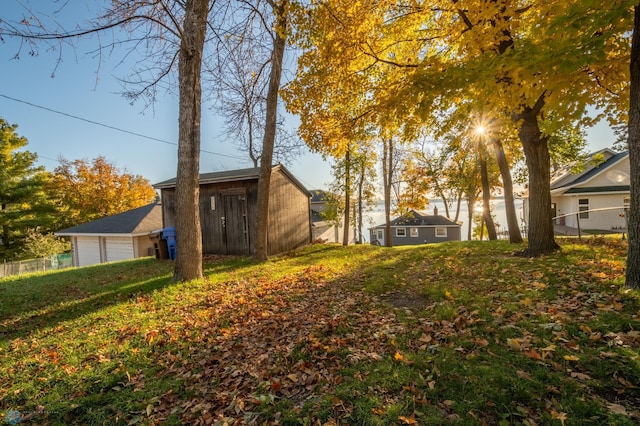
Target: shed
(417,227)
(117,237)
(228,211)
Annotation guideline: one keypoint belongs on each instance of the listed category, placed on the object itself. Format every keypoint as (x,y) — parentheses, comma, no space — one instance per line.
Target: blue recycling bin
(169,234)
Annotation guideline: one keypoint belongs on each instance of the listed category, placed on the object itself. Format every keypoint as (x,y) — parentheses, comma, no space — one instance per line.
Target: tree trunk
(486,200)
(347,197)
(471,202)
(188,264)
(536,151)
(266,159)
(510,208)
(253,157)
(387,171)
(360,202)
(444,201)
(458,205)
(360,207)
(632,279)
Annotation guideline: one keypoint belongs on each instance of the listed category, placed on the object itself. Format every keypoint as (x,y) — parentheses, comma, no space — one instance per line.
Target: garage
(86,250)
(113,238)
(118,248)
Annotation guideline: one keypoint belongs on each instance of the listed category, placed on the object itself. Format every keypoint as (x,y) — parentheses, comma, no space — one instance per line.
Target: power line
(112,127)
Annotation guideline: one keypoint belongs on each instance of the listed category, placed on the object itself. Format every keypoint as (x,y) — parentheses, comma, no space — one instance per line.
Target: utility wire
(112,127)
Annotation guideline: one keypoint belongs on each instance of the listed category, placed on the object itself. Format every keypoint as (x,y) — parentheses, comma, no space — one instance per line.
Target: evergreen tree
(23,203)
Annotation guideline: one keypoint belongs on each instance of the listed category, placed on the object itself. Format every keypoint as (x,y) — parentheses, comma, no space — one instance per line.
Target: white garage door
(87,250)
(119,248)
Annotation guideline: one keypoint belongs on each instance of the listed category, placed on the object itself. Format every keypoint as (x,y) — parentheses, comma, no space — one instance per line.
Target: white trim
(398,229)
(569,173)
(441,228)
(89,234)
(571,185)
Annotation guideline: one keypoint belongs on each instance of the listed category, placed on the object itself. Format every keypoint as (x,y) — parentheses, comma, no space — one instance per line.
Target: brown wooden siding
(289,215)
(229,228)
(226,228)
(168,196)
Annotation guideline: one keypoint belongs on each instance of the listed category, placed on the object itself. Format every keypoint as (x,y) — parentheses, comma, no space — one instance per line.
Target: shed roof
(140,221)
(235,175)
(212,177)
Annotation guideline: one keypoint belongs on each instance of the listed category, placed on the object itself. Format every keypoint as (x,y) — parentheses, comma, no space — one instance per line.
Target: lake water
(376,216)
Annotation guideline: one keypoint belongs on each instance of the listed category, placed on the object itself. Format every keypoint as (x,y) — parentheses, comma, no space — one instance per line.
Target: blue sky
(85,87)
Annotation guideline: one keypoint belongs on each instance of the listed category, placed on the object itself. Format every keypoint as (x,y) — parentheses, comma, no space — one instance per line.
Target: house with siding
(324,230)
(228,211)
(117,237)
(594,197)
(418,227)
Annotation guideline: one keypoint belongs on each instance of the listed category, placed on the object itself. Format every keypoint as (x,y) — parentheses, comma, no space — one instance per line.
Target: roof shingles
(142,220)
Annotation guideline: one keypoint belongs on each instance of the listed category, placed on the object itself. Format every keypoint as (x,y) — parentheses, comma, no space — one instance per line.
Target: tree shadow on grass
(31,302)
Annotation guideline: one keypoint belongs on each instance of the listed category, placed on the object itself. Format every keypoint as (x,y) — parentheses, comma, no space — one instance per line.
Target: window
(414,232)
(401,232)
(380,234)
(583,208)
(441,232)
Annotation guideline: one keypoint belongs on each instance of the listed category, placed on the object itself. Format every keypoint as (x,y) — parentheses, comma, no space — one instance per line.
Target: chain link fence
(54,262)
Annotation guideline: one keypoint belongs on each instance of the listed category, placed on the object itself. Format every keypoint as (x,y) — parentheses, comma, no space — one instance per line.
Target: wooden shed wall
(236,202)
(289,215)
(227,211)
(168,197)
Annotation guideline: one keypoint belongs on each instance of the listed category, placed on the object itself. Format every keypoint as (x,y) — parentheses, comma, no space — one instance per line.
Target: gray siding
(426,235)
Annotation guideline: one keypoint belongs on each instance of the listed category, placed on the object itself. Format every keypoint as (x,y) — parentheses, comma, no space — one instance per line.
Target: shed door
(235,224)
(87,250)
(119,248)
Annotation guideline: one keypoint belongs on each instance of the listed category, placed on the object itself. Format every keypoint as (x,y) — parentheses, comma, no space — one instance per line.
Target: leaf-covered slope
(359,335)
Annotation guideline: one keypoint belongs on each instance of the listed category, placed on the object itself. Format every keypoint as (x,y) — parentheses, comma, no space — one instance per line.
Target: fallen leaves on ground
(259,346)
(288,340)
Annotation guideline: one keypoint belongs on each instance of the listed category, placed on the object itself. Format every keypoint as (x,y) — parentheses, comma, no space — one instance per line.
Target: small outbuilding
(417,227)
(117,237)
(228,211)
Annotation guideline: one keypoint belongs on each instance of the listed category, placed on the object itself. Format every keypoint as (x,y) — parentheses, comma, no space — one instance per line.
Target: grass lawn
(454,333)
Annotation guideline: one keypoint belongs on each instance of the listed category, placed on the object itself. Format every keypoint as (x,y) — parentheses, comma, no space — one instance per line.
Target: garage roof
(140,221)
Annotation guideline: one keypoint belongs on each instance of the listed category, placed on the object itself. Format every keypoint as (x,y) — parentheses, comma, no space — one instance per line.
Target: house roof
(596,189)
(319,196)
(235,175)
(316,216)
(568,180)
(140,221)
(417,218)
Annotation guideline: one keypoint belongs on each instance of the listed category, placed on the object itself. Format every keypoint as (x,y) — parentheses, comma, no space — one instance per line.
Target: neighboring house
(118,237)
(323,230)
(228,211)
(594,198)
(418,228)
